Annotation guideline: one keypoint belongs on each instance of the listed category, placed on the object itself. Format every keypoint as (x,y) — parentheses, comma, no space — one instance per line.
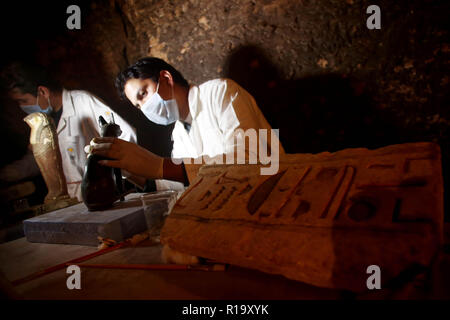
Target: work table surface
(20,258)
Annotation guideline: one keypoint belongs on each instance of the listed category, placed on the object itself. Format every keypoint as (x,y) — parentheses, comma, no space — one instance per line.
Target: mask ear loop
(173,98)
(173,93)
(157,86)
(37,98)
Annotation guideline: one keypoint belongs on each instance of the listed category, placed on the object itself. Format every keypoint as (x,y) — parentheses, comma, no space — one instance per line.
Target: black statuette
(102,185)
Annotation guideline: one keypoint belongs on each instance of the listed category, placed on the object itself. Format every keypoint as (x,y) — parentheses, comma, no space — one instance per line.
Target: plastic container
(157,206)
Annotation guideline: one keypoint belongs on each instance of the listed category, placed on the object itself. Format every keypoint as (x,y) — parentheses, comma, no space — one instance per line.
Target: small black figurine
(102,185)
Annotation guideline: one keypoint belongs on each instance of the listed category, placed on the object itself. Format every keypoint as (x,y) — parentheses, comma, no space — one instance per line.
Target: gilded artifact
(44,143)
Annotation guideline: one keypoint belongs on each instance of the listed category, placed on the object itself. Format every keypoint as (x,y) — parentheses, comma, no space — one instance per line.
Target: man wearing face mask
(206,117)
(75,113)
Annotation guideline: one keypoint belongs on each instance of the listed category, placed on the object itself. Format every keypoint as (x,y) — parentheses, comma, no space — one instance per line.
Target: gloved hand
(129,156)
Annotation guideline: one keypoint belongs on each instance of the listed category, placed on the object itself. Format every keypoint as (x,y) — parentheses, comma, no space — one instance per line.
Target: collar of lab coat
(194,101)
(190,140)
(68,107)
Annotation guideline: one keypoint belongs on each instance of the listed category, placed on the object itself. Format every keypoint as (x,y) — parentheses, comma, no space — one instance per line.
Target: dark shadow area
(326,112)
(331,112)
(14,132)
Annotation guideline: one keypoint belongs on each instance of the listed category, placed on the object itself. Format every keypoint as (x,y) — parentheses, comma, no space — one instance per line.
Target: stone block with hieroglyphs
(322,219)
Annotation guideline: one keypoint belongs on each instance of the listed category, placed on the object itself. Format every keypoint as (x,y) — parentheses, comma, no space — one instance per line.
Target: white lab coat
(217,108)
(77,127)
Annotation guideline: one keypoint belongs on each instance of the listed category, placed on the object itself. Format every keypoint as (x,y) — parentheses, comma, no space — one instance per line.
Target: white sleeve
(234,111)
(237,109)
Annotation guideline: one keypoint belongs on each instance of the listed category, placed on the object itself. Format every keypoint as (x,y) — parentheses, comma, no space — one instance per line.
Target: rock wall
(402,68)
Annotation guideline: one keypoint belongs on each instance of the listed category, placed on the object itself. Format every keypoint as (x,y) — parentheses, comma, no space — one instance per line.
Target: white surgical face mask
(37,108)
(161,111)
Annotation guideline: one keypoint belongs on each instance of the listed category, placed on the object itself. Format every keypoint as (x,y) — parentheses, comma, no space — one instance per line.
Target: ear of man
(43,92)
(166,85)
(164,74)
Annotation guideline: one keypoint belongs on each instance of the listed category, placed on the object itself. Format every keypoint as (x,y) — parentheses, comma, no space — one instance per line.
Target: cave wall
(317,71)
(314,67)
(403,67)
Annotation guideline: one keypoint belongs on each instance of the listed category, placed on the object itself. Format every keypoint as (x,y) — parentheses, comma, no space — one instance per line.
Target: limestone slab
(322,219)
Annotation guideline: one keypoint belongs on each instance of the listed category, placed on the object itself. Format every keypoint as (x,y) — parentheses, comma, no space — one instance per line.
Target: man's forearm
(174,172)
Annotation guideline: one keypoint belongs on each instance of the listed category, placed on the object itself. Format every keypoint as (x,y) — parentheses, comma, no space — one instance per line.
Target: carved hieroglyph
(44,142)
(322,219)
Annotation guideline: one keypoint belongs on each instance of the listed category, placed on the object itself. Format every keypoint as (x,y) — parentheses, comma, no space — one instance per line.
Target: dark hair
(147,68)
(27,77)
